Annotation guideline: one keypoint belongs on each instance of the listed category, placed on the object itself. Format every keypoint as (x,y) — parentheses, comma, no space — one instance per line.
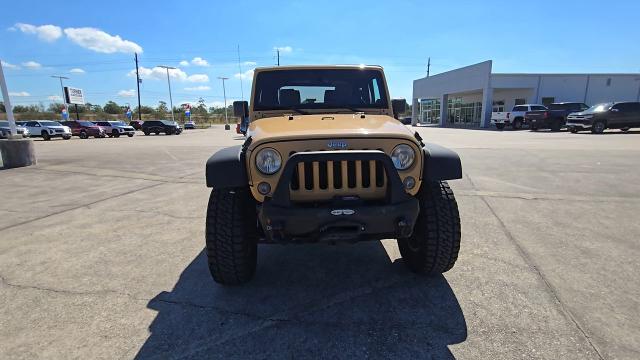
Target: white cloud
(250,63)
(198,88)
(54,98)
(49,33)
(198,78)
(198,61)
(77,71)
(19,93)
(31,65)
(283,49)
(127,93)
(245,75)
(99,41)
(6,65)
(184,63)
(158,73)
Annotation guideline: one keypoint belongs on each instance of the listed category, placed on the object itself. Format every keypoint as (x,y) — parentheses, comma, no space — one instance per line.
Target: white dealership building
(471,93)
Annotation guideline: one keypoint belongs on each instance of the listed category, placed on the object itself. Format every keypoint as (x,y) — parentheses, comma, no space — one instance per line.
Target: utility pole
(278,51)
(169,82)
(138,81)
(428,66)
(62,89)
(224,92)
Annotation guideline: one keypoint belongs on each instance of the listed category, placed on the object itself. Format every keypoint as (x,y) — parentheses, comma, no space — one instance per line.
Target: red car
(84,129)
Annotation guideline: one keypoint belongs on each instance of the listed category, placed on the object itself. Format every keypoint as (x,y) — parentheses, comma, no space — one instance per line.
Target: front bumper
(345,218)
(582,125)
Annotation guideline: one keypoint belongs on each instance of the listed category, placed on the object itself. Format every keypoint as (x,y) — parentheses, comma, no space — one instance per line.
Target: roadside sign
(65,114)
(73,96)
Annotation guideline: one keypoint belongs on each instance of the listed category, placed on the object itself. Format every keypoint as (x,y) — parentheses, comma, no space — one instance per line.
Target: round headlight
(268,161)
(403,156)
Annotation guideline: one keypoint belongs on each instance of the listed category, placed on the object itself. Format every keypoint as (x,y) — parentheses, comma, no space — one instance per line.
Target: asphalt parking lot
(101,256)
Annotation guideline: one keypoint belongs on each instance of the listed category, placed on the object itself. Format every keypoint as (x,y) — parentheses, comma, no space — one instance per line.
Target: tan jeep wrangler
(326,160)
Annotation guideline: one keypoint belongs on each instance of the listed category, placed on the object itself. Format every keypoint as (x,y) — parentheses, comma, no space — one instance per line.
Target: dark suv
(554,117)
(84,129)
(161,126)
(621,115)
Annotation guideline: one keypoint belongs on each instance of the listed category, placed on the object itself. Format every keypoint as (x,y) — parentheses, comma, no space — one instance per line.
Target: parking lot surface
(101,256)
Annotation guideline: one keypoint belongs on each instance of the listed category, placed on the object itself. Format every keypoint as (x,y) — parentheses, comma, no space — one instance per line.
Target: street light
(62,88)
(224,92)
(169,82)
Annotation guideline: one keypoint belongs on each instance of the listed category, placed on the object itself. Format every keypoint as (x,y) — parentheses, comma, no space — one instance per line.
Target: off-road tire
(231,236)
(517,124)
(434,245)
(598,127)
(499,126)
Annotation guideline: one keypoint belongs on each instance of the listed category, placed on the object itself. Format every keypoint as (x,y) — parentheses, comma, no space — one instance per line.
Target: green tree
(161,110)
(112,108)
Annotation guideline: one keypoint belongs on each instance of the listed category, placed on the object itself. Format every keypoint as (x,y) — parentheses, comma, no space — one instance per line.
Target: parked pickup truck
(554,118)
(514,118)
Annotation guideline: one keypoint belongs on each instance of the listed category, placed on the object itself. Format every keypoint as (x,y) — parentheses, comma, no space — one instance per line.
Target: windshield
(86,123)
(599,107)
(320,89)
(117,123)
(168,122)
(50,123)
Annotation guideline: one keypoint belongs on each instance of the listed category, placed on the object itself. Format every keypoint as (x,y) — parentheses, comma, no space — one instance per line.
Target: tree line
(111,109)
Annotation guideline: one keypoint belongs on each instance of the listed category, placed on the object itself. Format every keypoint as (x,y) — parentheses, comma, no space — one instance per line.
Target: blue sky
(93,42)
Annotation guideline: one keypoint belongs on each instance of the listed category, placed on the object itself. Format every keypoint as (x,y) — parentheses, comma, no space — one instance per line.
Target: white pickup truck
(514,118)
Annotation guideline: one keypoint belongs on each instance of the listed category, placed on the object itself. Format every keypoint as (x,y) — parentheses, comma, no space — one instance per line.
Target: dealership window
(498,106)
(520,101)
(429,111)
(548,100)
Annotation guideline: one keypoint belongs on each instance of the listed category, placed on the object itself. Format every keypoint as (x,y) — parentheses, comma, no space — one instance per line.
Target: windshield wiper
(301,112)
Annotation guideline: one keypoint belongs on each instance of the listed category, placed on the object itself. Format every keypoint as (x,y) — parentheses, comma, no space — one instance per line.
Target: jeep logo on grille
(337,144)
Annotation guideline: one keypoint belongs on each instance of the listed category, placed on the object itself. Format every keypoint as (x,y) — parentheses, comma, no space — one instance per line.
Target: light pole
(169,82)
(224,92)
(62,89)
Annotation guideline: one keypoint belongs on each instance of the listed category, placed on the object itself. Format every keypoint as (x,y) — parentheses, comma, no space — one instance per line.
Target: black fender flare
(440,163)
(226,169)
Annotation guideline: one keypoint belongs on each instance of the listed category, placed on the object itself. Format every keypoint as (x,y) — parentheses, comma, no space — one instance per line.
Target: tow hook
(404,228)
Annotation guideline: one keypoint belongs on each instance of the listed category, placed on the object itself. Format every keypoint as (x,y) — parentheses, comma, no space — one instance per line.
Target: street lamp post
(169,83)
(62,89)
(224,92)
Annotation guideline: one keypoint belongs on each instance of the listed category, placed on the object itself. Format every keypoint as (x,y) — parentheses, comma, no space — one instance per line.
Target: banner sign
(73,96)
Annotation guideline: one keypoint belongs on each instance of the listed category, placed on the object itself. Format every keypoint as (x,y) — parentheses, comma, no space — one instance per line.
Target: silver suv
(116,128)
(46,129)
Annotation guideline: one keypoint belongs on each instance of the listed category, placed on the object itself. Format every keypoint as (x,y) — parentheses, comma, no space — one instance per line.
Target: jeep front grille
(322,180)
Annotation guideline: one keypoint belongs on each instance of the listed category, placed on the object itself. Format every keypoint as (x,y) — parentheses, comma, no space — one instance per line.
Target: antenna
(240,74)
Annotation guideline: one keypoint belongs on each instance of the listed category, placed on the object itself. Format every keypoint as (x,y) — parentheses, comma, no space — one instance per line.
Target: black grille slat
(379,174)
(351,174)
(324,180)
(337,175)
(308,176)
(366,176)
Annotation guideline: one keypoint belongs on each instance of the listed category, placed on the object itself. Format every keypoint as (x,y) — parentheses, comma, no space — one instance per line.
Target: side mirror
(241,109)
(398,106)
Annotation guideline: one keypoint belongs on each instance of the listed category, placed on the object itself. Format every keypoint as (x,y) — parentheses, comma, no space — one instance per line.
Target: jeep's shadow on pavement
(345,301)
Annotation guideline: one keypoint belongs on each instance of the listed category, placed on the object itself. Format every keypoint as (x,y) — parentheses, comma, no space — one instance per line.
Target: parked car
(555,117)
(84,129)
(161,126)
(189,125)
(136,124)
(5,130)
(621,115)
(116,128)
(514,118)
(47,129)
